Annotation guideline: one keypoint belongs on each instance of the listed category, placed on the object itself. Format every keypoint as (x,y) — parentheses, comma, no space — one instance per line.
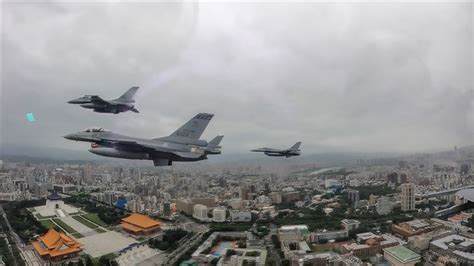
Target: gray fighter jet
(183,145)
(122,104)
(293,151)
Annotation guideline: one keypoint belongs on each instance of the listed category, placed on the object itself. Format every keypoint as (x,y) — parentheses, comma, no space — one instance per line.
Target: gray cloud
(339,77)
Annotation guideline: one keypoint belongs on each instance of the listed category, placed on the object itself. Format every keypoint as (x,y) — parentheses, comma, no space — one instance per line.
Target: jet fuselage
(108,108)
(122,104)
(292,151)
(110,144)
(281,154)
(184,144)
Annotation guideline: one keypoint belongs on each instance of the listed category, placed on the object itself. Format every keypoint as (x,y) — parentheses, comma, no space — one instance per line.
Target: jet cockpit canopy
(94,129)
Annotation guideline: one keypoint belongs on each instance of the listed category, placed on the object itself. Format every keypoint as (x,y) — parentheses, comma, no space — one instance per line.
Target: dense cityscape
(412,210)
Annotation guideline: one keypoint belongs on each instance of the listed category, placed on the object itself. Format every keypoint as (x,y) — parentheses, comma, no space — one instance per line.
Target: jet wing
(134,145)
(185,154)
(190,155)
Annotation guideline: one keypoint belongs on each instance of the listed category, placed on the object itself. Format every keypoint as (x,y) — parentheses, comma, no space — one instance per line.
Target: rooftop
(54,196)
(55,244)
(460,217)
(188,263)
(51,238)
(467,194)
(366,235)
(417,224)
(445,241)
(350,221)
(140,220)
(294,227)
(402,253)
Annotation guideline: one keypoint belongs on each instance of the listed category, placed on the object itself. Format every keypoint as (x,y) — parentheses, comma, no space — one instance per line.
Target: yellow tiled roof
(131,227)
(140,220)
(50,238)
(37,246)
(73,249)
(54,244)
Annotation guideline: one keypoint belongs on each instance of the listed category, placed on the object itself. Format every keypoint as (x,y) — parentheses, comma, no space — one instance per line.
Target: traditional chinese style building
(139,224)
(55,246)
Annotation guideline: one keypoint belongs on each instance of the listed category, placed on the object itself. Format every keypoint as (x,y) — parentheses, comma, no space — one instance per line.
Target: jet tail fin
(296,146)
(214,143)
(128,95)
(195,127)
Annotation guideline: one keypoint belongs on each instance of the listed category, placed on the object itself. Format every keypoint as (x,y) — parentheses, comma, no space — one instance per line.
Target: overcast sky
(386,77)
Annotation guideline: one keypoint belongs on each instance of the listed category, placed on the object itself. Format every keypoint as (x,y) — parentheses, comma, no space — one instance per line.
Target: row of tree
(22,221)
(88,261)
(169,241)
(10,257)
(109,215)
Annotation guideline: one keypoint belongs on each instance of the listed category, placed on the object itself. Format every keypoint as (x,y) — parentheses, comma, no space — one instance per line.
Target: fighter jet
(122,104)
(183,145)
(293,151)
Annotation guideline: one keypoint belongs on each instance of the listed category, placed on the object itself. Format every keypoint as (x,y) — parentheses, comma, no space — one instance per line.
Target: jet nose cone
(70,136)
(75,101)
(79,100)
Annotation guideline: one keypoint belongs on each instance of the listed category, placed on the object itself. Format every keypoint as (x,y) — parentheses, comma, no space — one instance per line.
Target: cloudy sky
(370,77)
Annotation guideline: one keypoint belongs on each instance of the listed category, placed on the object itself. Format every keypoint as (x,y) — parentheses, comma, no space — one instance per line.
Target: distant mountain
(49,155)
(465,153)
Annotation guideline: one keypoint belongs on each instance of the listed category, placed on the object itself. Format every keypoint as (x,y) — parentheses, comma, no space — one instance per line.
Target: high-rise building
(184,205)
(276,197)
(353,196)
(465,168)
(219,214)
(208,202)
(244,193)
(384,205)
(290,196)
(407,197)
(40,189)
(86,172)
(392,180)
(267,188)
(167,209)
(252,189)
(373,199)
(200,212)
(403,178)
